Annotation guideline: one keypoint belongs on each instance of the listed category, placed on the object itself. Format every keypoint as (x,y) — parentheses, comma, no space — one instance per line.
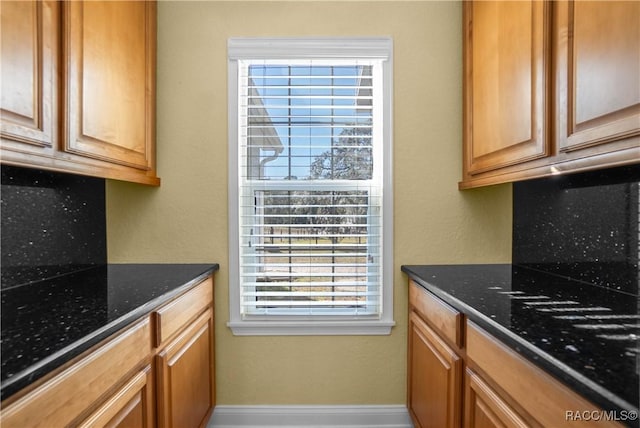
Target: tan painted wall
(185,220)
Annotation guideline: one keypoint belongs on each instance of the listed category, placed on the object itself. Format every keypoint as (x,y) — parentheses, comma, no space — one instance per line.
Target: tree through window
(310,187)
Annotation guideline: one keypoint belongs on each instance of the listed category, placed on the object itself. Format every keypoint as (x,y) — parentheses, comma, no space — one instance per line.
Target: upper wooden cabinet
(549,87)
(506,56)
(28,76)
(78,87)
(109,81)
(598,72)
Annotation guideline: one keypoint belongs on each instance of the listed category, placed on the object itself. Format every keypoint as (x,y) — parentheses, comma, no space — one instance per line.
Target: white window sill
(310,328)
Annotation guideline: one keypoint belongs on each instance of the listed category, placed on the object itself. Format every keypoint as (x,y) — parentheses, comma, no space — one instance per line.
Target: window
(310,200)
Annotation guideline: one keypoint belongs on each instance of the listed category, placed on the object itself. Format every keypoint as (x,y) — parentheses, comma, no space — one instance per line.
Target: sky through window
(317,114)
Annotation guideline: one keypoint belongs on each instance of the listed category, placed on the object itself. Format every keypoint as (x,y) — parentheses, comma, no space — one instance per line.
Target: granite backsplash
(52,224)
(582,226)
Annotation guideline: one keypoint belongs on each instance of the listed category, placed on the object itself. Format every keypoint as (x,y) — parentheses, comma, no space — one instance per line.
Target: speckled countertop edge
(34,372)
(535,355)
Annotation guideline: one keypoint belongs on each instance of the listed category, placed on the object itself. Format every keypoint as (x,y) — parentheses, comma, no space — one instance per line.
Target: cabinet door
(598,64)
(185,376)
(28,76)
(131,406)
(506,67)
(485,408)
(434,378)
(110,81)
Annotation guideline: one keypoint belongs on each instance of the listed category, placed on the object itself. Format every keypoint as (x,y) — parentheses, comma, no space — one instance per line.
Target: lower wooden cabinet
(157,372)
(435,378)
(541,399)
(185,376)
(131,406)
(501,388)
(484,408)
(62,399)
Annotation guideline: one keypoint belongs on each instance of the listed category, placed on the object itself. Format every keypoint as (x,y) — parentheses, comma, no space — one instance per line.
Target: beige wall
(185,220)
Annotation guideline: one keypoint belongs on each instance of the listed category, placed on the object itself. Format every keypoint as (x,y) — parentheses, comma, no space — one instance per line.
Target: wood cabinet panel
(28,80)
(77,87)
(485,409)
(125,381)
(506,68)
(447,320)
(59,401)
(518,378)
(434,378)
(185,376)
(598,64)
(109,82)
(579,97)
(501,388)
(174,316)
(132,406)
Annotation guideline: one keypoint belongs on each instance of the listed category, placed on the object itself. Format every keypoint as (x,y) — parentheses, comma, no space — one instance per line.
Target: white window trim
(305,48)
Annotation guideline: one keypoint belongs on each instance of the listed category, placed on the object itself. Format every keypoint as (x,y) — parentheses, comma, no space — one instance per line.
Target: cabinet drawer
(446,319)
(130,405)
(518,378)
(485,404)
(58,401)
(172,317)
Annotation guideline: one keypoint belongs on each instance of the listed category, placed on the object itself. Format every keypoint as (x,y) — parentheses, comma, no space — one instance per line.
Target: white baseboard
(389,416)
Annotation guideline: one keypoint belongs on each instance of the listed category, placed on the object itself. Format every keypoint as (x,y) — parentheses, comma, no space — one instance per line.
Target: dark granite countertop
(586,336)
(46,323)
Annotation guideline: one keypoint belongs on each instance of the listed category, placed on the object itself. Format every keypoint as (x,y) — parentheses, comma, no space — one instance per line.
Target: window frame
(309,48)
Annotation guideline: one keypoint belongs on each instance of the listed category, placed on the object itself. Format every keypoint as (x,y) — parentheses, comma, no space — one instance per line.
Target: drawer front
(172,317)
(58,401)
(447,320)
(518,378)
(483,403)
(130,406)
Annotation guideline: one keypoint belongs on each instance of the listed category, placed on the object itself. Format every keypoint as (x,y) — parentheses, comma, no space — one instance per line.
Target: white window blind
(310,188)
